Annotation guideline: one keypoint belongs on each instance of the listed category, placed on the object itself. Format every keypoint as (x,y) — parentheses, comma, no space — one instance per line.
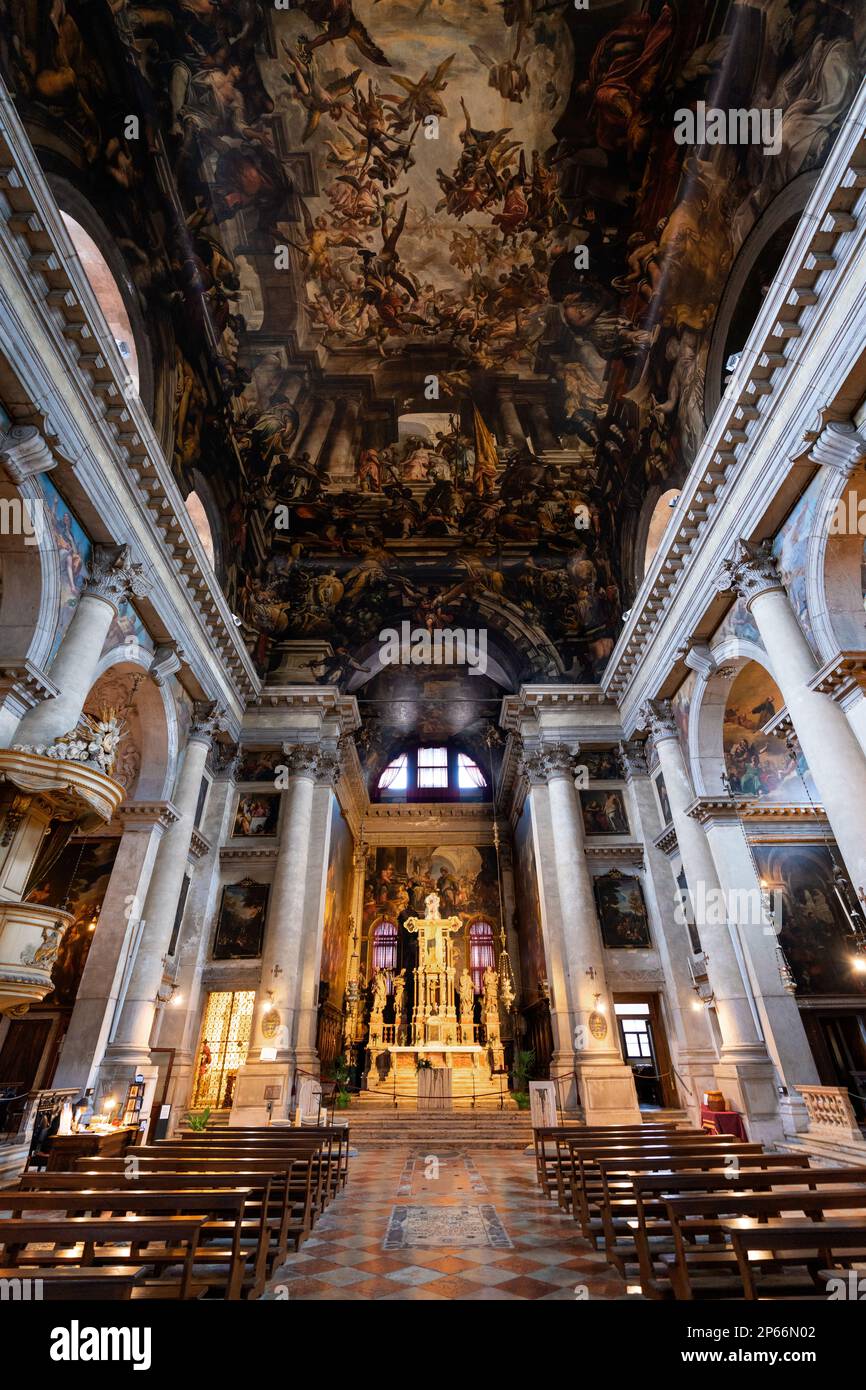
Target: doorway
(225,1041)
(838,1043)
(645,1049)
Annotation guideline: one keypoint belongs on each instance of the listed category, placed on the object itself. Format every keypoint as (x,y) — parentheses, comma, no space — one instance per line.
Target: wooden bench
(268,1202)
(240,1262)
(103,1283)
(699,1222)
(641,1213)
(101,1239)
(546,1135)
(339,1135)
(778,1244)
(584,1191)
(292,1180)
(324,1164)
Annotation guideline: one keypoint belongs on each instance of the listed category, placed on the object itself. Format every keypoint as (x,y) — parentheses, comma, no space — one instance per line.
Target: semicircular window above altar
(431,774)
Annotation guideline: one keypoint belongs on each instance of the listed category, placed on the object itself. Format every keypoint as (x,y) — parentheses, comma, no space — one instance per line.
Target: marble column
(130,1046)
(114,942)
(780,1017)
(113,578)
(539,424)
(179,1025)
(745,1071)
(830,746)
(605,1083)
(691,1043)
(310,953)
(512,431)
(317,431)
(270,1062)
(342,451)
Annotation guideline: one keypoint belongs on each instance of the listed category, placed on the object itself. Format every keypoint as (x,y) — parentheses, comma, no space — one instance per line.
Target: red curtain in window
(482,955)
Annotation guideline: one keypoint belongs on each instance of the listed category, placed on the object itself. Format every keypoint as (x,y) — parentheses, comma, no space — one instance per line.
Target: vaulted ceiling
(439,285)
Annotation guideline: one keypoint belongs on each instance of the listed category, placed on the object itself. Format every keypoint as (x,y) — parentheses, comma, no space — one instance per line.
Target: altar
(436,1036)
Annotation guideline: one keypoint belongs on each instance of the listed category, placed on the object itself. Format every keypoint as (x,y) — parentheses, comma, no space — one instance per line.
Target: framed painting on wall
(241,922)
(257,814)
(622,912)
(604,813)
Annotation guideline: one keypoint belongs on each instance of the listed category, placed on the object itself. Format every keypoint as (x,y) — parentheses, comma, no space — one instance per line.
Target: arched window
(482,955)
(107,293)
(385,947)
(432,774)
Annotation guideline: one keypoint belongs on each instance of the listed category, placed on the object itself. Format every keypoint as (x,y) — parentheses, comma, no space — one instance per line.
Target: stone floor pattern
(416,1226)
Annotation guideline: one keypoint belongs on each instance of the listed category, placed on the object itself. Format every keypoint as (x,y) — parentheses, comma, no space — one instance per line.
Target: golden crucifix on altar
(434,1017)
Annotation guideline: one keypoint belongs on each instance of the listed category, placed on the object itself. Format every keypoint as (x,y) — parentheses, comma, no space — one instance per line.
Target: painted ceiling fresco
(475,215)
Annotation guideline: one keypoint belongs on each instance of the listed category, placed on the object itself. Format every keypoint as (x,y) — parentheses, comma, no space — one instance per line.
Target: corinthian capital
(633,756)
(554,760)
(301,759)
(114,577)
(207,718)
(658,717)
(751,571)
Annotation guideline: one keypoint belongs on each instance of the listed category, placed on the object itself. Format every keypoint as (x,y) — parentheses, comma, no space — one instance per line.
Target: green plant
(521,1070)
(198,1121)
(521,1098)
(341,1074)
(423,1064)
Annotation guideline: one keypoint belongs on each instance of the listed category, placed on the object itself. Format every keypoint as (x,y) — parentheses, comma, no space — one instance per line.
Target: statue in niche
(399,992)
(380,991)
(467,998)
(491,990)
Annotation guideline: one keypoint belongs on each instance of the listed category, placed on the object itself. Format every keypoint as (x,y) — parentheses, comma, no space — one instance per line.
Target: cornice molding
(842,677)
(27,682)
(817,260)
(629,854)
(37,242)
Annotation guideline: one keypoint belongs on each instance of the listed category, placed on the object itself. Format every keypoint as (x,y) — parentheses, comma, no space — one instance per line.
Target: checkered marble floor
(382,1238)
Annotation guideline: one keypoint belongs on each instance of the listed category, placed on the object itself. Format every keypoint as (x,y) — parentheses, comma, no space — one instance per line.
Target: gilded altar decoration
(92,741)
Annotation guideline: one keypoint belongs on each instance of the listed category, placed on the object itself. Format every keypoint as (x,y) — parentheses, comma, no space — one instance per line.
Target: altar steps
(372,1127)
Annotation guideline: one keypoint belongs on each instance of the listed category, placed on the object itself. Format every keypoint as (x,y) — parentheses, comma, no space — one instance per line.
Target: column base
(608,1093)
(749,1085)
(262,1092)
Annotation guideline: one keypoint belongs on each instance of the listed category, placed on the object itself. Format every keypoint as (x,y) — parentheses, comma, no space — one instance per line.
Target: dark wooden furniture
(64,1150)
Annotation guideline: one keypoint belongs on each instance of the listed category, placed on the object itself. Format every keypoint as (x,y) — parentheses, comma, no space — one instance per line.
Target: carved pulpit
(434,1017)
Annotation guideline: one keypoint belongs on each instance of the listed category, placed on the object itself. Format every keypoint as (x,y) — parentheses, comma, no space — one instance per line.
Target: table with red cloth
(723,1122)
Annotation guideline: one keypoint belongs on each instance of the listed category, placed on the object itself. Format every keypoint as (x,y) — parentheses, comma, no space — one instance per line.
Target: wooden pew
(181,1234)
(326,1160)
(292,1179)
(268,1204)
(276,1132)
(779,1243)
(643,1208)
(585,1189)
(225,1213)
(704,1216)
(80,1284)
(547,1154)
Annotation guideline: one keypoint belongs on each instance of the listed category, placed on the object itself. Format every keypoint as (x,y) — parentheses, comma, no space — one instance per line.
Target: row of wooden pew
(206,1214)
(686,1214)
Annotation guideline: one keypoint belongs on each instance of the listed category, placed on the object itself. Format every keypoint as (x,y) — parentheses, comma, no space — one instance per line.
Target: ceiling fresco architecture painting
(433,649)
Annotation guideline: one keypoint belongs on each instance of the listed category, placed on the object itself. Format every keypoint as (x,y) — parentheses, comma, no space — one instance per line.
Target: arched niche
(29,576)
(730,709)
(654,519)
(754,269)
(148,755)
(834,563)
